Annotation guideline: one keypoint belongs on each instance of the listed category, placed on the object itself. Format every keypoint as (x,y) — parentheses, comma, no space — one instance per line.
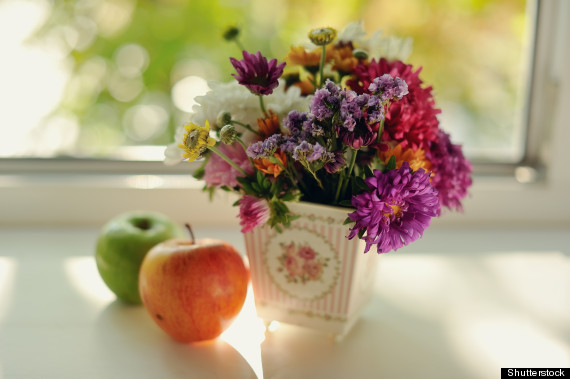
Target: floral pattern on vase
(301,263)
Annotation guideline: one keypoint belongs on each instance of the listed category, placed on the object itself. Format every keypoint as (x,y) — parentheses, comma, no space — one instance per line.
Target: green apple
(122,245)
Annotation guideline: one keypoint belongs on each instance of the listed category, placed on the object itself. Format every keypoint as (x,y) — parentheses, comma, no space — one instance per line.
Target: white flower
(377,46)
(353,32)
(390,47)
(172,153)
(243,107)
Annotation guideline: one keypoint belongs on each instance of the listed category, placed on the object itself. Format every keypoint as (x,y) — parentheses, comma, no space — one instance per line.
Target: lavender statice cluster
(265,148)
(388,88)
(355,118)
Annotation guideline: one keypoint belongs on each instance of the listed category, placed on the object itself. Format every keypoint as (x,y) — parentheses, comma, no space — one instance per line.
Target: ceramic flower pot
(310,274)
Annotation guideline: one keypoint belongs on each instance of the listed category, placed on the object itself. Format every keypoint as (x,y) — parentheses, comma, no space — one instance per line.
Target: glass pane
(92,78)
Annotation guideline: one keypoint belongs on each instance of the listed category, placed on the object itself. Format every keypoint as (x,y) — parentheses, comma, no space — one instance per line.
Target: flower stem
(245,149)
(247,126)
(297,176)
(322,66)
(350,168)
(262,105)
(337,193)
(380,130)
(225,158)
(239,44)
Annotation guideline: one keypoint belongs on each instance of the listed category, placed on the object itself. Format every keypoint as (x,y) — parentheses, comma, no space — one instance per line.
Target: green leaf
(361,233)
(245,183)
(274,186)
(368,172)
(258,176)
(391,163)
(256,187)
(199,172)
(347,221)
(266,184)
(359,185)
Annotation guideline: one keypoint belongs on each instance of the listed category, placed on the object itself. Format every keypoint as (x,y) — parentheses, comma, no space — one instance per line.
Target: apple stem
(189,228)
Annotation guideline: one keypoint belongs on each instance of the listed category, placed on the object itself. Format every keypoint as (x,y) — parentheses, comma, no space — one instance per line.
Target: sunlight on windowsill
(245,335)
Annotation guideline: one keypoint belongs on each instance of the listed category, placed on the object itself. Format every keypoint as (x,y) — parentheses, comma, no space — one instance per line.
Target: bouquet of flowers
(342,122)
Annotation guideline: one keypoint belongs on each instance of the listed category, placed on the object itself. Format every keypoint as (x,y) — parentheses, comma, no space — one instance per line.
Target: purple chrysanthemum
(396,211)
(252,212)
(451,171)
(257,74)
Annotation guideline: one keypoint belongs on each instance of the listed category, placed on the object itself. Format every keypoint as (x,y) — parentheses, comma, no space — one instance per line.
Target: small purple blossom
(311,153)
(396,210)
(288,144)
(256,73)
(337,163)
(451,171)
(294,122)
(325,101)
(265,148)
(388,88)
(355,117)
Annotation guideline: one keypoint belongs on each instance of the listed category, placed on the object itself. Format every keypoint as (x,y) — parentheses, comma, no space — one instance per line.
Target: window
(97,86)
(112,78)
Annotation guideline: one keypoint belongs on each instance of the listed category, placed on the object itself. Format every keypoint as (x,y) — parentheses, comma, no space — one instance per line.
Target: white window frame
(531,193)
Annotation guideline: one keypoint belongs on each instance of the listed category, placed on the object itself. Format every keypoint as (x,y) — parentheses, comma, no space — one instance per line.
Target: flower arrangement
(344,122)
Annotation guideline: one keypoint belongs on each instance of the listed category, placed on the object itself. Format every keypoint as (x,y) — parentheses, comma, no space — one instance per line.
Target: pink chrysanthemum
(257,74)
(218,172)
(451,171)
(252,212)
(396,210)
(411,121)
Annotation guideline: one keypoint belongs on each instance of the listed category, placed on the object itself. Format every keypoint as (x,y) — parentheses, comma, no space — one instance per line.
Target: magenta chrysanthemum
(256,73)
(411,121)
(451,171)
(396,210)
(252,212)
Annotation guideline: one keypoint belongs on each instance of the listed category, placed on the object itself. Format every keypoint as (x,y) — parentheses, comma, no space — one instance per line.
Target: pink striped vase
(310,274)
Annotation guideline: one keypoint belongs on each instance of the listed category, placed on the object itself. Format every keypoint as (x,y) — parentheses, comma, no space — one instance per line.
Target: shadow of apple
(127,343)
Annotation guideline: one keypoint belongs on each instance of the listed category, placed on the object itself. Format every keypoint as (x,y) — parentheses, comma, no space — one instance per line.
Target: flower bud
(360,54)
(228,134)
(322,36)
(231,33)
(224,118)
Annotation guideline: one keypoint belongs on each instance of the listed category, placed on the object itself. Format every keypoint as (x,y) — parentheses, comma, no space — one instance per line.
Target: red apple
(193,289)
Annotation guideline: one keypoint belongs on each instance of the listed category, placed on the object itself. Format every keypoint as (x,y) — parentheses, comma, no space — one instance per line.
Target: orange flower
(416,159)
(268,167)
(342,57)
(306,87)
(268,126)
(298,56)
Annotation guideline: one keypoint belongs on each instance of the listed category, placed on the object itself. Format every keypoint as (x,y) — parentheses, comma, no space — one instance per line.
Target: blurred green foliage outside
(128,56)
